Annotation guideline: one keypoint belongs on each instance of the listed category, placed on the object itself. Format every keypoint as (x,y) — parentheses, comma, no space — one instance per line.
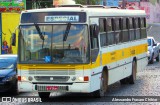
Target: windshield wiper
(66,32)
(39,33)
(4,68)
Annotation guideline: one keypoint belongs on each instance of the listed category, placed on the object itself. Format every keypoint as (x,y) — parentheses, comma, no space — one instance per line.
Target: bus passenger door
(95,59)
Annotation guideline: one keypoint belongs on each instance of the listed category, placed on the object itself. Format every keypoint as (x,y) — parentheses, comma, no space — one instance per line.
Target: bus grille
(44,88)
(52,78)
(52,72)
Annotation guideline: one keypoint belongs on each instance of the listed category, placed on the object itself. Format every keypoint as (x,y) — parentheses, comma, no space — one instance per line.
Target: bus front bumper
(83,87)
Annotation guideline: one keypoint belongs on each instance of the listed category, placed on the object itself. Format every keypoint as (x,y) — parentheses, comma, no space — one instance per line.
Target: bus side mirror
(13,39)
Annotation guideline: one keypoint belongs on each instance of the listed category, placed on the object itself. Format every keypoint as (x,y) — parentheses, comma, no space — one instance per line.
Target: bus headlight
(23,78)
(80,78)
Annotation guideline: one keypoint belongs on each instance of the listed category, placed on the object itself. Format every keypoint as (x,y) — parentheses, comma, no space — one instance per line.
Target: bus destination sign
(65,18)
(53,17)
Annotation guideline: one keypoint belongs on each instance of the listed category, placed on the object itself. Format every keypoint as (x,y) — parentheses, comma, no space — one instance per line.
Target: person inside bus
(5,48)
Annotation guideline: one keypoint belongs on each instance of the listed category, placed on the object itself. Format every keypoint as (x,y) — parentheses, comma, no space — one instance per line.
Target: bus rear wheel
(124,81)
(103,86)
(132,78)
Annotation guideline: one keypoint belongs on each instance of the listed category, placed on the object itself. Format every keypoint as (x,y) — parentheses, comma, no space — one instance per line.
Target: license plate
(49,88)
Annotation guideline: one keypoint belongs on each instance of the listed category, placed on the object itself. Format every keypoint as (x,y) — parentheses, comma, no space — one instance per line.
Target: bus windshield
(54,49)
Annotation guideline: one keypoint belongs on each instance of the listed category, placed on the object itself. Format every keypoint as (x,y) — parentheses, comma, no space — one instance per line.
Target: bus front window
(54,49)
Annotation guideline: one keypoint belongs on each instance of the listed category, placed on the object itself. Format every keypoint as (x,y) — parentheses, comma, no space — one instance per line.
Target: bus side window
(110,31)
(103,29)
(117,26)
(121,28)
(102,25)
(94,39)
(137,28)
(143,27)
(125,30)
(94,42)
(117,30)
(113,24)
(109,25)
(144,22)
(130,23)
(131,29)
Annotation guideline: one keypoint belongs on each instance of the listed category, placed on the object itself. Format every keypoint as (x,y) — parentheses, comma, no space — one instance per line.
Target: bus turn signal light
(86,78)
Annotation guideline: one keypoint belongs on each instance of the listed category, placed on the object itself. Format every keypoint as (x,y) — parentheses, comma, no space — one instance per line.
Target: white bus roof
(93,11)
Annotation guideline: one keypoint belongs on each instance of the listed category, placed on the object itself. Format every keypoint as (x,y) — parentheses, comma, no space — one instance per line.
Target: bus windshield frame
(34,50)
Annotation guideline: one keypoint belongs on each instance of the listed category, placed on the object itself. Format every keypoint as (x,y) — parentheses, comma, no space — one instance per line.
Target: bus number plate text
(49,88)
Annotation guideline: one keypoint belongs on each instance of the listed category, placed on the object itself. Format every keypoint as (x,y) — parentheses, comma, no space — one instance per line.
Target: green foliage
(91,2)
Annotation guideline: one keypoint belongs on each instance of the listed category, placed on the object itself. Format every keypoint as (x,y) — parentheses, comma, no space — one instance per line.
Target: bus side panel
(0,32)
(9,23)
(95,79)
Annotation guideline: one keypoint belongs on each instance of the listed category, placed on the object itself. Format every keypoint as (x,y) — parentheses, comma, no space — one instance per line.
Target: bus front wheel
(103,86)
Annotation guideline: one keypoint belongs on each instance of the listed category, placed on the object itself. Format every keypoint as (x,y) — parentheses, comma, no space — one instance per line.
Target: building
(8,25)
(151,7)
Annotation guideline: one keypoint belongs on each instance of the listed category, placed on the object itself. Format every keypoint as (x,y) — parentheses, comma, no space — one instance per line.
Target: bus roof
(93,11)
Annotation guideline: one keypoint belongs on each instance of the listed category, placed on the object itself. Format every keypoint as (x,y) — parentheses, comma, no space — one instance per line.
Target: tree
(91,2)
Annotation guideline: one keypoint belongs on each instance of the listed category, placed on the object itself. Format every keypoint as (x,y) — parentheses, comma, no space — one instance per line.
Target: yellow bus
(80,49)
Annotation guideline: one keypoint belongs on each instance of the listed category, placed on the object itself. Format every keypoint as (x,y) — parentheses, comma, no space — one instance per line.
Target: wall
(0,32)
(12,5)
(8,27)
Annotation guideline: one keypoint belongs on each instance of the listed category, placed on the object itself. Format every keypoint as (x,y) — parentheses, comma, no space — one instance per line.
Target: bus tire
(132,78)
(103,86)
(123,81)
(44,95)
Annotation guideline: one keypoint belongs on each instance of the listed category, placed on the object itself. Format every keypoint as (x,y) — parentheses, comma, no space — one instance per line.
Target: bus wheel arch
(103,83)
